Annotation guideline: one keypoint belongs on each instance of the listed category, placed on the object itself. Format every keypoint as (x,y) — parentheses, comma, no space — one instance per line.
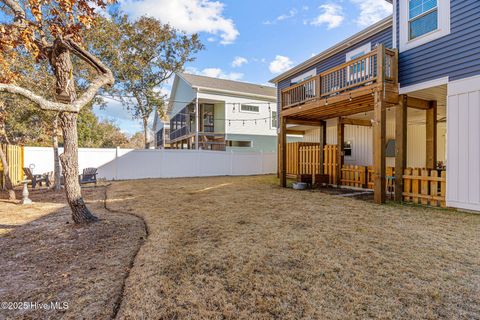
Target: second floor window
(422,17)
(250,108)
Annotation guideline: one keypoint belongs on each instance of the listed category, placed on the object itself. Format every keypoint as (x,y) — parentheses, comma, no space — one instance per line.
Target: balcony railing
(346,77)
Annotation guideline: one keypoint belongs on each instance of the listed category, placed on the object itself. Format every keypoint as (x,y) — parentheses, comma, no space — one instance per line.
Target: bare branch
(76,106)
(42,102)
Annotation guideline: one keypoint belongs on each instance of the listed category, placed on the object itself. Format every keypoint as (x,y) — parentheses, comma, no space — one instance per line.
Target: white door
(463,144)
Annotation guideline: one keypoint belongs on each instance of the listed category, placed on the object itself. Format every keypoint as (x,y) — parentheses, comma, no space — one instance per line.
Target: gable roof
(364,34)
(222,85)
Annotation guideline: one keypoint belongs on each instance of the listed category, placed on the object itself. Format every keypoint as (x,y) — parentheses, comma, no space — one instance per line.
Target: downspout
(197,121)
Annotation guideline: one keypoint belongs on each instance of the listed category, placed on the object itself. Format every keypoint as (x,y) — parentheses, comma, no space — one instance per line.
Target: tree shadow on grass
(51,260)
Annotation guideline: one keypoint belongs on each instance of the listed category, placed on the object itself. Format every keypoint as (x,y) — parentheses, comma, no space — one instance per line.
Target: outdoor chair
(36,178)
(89,175)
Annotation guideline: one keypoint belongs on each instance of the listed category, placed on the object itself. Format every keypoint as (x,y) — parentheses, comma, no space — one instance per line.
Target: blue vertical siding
(456,55)
(382,37)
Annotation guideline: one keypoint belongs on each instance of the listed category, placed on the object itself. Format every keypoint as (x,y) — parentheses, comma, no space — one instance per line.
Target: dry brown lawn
(44,258)
(243,248)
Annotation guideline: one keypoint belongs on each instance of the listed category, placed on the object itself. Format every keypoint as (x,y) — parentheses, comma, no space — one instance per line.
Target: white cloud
(216,73)
(372,11)
(291,13)
(239,61)
(191,16)
(332,16)
(280,64)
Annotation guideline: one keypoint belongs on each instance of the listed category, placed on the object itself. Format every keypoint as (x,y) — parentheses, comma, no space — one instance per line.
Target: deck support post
(283,152)
(340,151)
(379,133)
(400,145)
(431,128)
(323,142)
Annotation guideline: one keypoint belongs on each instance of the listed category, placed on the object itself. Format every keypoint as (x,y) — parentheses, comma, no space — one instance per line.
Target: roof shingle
(228,85)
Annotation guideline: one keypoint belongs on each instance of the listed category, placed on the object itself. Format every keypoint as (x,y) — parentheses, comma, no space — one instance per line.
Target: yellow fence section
(424,186)
(330,163)
(294,151)
(354,176)
(15,157)
(309,157)
(304,158)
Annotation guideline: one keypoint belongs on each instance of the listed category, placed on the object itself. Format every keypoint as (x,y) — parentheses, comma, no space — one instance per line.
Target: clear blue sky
(265,37)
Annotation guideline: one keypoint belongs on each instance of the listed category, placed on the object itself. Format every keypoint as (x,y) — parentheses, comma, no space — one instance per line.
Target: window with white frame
(249,108)
(304,76)
(422,21)
(274,119)
(422,17)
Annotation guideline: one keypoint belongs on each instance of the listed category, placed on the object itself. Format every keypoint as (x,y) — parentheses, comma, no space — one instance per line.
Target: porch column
(400,145)
(197,122)
(283,151)
(323,142)
(379,133)
(340,149)
(431,127)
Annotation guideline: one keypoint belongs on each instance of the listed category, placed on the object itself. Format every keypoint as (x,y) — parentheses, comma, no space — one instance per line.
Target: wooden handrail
(296,85)
(343,65)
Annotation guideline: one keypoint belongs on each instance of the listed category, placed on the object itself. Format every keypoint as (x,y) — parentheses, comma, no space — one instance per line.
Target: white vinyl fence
(128,164)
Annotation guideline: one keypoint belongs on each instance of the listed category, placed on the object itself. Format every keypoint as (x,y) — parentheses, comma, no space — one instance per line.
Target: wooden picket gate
(15,157)
(294,151)
(354,176)
(362,177)
(330,163)
(309,159)
(424,186)
(304,158)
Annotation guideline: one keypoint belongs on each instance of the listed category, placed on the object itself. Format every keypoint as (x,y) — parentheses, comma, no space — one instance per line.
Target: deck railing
(343,78)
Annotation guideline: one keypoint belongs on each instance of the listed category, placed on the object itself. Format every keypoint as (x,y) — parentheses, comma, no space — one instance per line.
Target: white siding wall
(362,141)
(182,94)
(463,168)
(249,127)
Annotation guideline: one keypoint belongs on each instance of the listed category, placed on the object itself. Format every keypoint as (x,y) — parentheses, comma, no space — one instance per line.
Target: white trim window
(304,76)
(249,108)
(274,120)
(422,21)
(422,17)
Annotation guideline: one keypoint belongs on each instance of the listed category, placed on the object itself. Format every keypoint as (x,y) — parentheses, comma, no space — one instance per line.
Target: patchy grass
(45,258)
(245,248)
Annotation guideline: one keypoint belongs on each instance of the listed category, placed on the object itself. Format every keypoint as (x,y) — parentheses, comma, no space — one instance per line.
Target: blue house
(398,103)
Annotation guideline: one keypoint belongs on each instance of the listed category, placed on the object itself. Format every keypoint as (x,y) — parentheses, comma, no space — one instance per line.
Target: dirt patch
(45,258)
(228,248)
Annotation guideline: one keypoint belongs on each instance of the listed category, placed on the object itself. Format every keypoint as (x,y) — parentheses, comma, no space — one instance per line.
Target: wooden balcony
(366,84)
(346,89)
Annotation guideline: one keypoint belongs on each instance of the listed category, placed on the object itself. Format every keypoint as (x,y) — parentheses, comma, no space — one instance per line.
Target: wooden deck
(368,83)
(344,90)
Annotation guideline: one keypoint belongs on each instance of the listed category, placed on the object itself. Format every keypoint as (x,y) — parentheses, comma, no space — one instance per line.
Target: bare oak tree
(52,31)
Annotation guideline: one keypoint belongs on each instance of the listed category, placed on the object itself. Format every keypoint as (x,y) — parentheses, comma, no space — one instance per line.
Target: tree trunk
(8,182)
(145,133)
(56,159)
(65,90)
(8,185)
